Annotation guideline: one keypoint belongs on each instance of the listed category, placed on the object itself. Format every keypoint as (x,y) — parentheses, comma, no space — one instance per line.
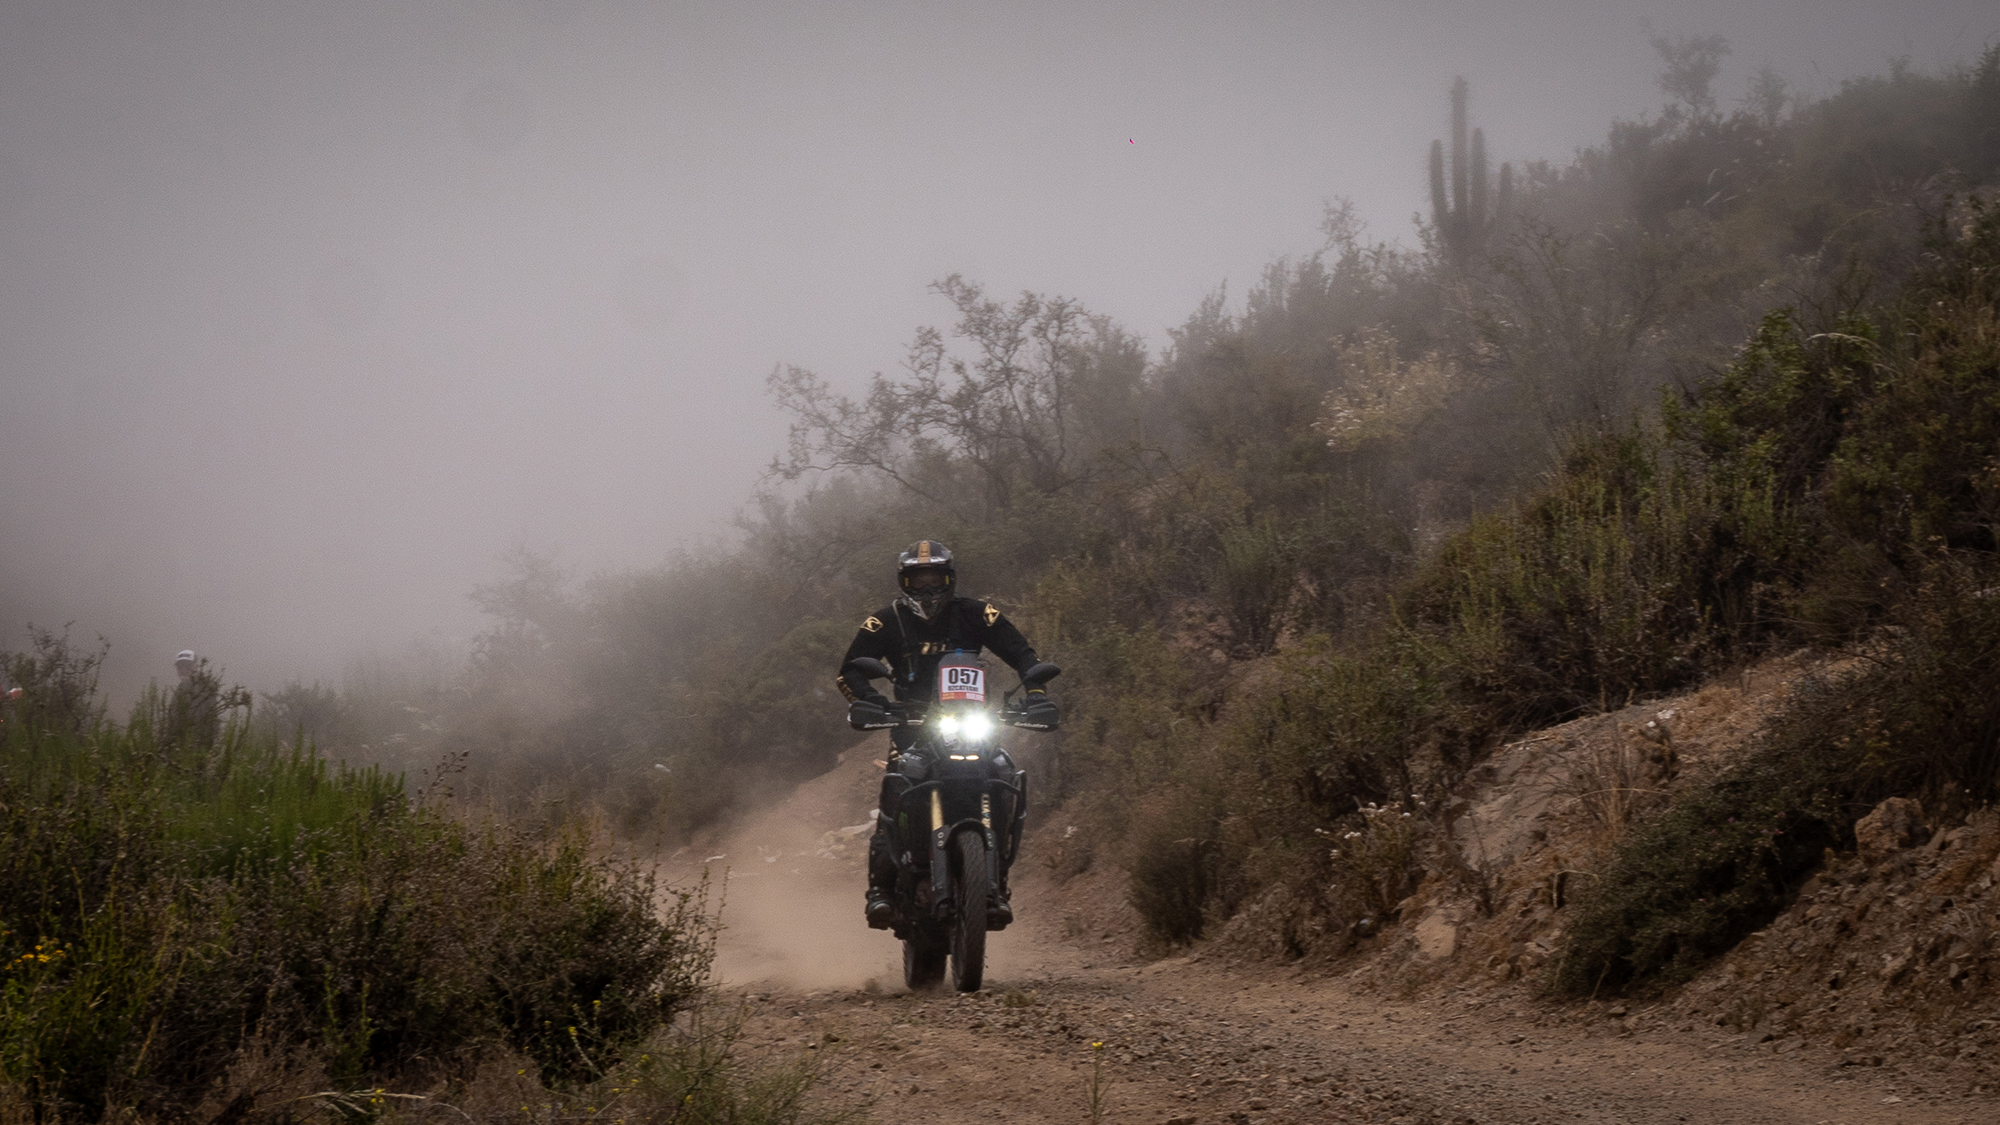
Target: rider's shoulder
(879,620)
(986,612)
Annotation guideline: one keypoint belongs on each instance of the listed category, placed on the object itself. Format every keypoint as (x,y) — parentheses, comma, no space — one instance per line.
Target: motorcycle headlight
(977,727)
(948,724)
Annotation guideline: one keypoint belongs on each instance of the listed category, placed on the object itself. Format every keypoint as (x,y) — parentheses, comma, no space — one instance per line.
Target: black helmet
(923,594)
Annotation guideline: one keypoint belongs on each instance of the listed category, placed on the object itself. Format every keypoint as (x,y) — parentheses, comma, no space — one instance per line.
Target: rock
(1894,825)
(1437,939)
(1183,1119)
(1893,968)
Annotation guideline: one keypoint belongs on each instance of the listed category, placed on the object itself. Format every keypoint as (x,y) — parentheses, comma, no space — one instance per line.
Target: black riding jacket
(912,646)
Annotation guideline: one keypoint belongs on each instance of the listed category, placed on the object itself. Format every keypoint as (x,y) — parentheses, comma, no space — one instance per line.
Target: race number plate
(961,683)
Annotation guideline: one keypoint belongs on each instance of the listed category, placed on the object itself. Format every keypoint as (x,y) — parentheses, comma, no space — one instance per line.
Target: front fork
(943,901)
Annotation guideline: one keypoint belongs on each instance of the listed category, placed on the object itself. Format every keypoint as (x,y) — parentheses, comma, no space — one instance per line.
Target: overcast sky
(310,310)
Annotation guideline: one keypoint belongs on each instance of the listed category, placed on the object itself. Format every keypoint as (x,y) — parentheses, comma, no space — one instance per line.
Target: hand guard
(1040,713)
(869,713)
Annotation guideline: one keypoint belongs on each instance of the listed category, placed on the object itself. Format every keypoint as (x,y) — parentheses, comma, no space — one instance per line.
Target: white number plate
(961,683)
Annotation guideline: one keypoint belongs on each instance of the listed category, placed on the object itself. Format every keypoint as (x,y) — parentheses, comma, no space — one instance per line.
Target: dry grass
(1615,779)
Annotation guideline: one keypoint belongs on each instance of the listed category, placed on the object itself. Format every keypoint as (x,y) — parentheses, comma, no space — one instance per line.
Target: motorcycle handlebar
(916,712)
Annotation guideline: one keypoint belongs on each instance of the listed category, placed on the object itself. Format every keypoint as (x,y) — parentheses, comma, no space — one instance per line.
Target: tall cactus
(1462,218)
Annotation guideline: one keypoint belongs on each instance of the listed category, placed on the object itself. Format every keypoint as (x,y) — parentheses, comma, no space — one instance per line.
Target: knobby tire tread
(968,929)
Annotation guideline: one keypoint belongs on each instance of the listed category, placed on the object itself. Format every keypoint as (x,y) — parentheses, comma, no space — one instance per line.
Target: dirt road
(1068,1010)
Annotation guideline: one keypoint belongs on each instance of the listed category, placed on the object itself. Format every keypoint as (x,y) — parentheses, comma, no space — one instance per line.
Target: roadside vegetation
(197,921)
(1722,385)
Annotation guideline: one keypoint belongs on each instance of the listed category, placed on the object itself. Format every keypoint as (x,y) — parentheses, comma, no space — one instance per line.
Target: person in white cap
(195,714)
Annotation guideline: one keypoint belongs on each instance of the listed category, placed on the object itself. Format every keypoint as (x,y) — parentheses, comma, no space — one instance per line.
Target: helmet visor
(928,587)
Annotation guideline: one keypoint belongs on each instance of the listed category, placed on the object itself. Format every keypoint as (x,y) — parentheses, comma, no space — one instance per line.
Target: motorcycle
(956,824)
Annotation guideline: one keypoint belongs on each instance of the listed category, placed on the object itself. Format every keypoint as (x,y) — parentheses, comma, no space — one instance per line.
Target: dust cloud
(794,928)
(790,880)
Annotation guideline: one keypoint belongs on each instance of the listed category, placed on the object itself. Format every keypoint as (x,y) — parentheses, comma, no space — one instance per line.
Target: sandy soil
(1069,1009)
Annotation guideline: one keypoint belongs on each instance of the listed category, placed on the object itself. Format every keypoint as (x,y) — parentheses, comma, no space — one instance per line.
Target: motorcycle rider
(911,636)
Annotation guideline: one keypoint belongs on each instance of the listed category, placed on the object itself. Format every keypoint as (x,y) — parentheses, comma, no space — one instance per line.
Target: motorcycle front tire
(968,928)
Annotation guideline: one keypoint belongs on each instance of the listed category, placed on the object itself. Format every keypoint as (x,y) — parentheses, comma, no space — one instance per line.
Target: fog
(309,311)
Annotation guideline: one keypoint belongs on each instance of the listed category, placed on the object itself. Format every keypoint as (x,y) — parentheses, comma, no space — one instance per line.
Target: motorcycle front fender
(944,890)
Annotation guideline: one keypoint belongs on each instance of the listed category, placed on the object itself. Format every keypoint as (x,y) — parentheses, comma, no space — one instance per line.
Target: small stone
(1183,1119)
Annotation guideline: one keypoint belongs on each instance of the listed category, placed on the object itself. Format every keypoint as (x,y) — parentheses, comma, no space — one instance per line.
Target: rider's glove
(870,712)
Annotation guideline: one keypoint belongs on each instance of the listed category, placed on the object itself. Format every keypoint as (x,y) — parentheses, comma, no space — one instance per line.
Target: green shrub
(165,910)
(1643,565)
(1172,868)
(1320,739)
(1337,730)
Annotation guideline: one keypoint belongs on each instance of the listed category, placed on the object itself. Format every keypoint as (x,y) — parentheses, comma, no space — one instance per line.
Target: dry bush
(1615,779)
(1175,864)
(1377,862)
